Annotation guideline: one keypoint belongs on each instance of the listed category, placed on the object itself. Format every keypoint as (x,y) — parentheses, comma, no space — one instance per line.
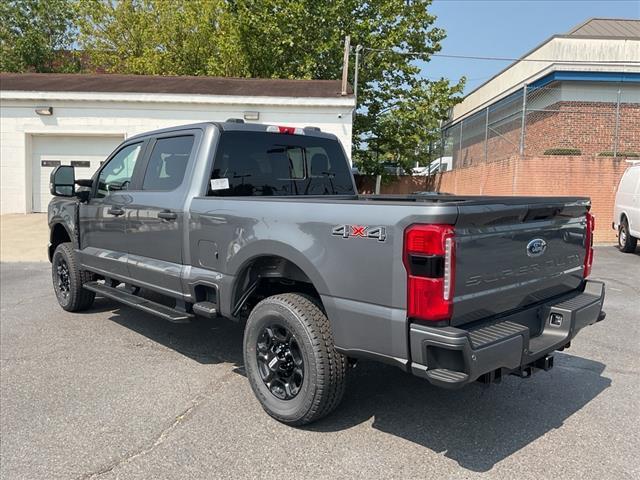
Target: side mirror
(62,181)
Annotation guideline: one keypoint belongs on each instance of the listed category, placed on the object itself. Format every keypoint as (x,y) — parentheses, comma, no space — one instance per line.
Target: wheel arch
(58,233)
(272,261)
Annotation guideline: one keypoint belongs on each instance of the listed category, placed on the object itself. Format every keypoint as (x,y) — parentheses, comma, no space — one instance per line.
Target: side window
(116,175)
(167,163)
(264,163)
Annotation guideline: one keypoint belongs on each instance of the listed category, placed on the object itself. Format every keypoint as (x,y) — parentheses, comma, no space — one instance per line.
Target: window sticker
(219,183)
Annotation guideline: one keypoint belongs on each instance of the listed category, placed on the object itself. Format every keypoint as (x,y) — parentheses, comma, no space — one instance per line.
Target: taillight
(588,244)
(429,258)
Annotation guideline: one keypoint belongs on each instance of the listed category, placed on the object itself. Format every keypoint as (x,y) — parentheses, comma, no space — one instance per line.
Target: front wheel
(291,361)
(626,242)
(68,280)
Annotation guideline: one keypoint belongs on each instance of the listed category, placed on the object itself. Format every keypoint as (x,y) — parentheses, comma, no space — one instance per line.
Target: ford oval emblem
(536,247)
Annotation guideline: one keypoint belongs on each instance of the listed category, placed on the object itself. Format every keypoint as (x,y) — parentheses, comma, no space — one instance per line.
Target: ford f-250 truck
(263,224)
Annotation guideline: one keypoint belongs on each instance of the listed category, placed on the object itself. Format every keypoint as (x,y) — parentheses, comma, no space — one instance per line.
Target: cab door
(156,212)
(103,222)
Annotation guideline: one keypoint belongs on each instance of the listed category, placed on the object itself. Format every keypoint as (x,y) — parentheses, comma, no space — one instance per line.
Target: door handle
(167,215)
(115,211)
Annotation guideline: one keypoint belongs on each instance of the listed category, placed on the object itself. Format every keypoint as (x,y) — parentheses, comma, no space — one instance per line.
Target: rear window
(265,164)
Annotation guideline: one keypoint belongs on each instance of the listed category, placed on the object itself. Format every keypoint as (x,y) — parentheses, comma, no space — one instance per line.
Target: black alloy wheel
(62,284)
(280,361)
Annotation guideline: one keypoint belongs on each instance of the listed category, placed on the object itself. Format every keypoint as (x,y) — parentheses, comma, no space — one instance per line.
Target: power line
(504,59)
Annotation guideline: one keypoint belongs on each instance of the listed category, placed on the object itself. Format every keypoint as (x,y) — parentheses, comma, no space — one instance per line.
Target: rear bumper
(452,357)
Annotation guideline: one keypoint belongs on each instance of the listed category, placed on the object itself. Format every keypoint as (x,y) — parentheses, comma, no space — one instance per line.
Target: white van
(626,211)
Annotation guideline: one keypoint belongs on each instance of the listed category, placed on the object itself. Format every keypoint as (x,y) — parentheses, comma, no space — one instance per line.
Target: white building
(578,91)
(597,50)
(52,119)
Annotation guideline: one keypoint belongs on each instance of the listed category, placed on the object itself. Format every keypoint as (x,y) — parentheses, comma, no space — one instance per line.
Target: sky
(508,28)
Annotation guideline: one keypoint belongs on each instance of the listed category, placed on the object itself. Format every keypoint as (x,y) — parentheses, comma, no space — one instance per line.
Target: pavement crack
(159,439)
(195,402)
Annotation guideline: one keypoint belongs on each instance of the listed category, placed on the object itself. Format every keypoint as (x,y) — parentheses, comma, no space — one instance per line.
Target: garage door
(83,152)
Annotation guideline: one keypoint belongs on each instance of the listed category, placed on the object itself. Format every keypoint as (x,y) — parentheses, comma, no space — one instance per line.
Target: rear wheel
(68,280)
(626,242)
(290,359)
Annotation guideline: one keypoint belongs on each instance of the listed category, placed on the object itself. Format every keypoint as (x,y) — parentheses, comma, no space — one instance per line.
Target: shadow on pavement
(475,426)
(204,340)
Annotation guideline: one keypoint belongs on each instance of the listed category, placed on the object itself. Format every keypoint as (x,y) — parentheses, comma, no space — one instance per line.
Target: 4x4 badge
(360,231)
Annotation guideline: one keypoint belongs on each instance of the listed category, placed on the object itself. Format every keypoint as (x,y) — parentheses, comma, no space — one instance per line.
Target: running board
(140,303)
(205,309)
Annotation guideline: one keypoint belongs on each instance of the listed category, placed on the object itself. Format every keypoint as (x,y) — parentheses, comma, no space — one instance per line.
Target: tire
(319,371)
(626,242)
(68,280)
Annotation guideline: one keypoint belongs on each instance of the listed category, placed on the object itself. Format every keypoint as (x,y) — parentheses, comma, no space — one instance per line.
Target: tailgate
(509,256)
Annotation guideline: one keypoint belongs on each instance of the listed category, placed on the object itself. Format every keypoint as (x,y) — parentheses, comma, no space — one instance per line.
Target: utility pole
(617,127)
(355,74)
(523,123)
(345,64)
(355,81)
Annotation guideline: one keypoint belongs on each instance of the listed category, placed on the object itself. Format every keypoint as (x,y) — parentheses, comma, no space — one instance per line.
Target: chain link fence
(569,118)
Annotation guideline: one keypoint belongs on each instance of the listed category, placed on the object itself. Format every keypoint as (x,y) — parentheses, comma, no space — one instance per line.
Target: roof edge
(591,19)
(172,84)
(538,47)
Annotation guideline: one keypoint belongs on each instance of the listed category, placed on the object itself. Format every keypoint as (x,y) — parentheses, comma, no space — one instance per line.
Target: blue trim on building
(564,76)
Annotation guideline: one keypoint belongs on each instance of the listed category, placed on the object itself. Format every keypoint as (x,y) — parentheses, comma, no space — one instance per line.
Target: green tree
(161,37)
(37,35)
(399,111)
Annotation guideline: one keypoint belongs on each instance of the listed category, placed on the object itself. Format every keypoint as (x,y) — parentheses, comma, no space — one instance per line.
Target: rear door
(156,215)
(102,218)
(509,256)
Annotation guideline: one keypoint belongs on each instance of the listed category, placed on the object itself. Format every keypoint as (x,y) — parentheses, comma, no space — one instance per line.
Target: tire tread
(631,243)
(331,367)
(81,298)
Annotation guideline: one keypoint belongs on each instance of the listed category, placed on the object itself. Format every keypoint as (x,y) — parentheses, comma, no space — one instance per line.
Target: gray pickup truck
(264,225)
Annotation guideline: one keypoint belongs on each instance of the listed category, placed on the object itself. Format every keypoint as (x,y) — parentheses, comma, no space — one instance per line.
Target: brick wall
(588,126)
(586,175)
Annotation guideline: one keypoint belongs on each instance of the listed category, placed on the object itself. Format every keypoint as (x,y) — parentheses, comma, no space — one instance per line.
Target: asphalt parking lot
(115,393)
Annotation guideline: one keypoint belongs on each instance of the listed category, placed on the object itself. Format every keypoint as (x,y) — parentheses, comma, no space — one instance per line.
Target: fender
(63,212)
